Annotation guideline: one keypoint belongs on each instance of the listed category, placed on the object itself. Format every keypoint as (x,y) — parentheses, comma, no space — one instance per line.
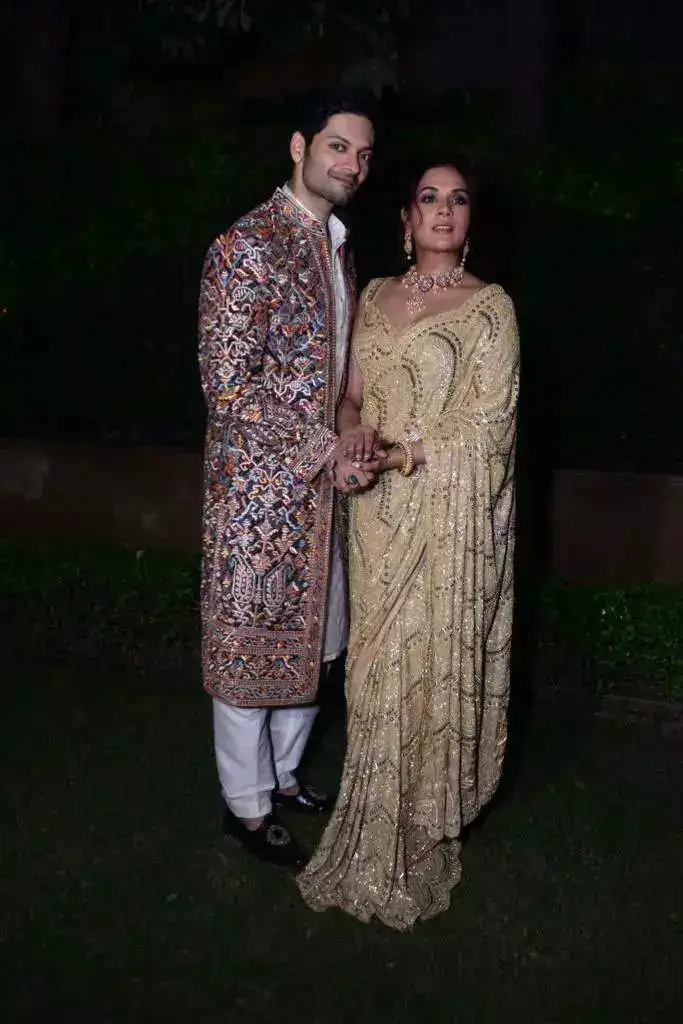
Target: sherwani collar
(293,208)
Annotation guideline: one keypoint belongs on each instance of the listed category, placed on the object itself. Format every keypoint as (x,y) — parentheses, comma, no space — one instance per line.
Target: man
(275,310)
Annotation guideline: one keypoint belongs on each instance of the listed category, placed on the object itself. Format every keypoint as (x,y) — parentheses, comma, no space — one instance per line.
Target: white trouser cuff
(254,748)
(256,806)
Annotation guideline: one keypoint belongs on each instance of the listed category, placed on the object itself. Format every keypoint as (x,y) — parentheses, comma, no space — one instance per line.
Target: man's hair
(316,109)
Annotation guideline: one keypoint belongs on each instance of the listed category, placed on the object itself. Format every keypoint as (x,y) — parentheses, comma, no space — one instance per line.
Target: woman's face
(439,216)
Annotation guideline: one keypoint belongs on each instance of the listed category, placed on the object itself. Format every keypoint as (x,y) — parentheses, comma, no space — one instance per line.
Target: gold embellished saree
(431,609)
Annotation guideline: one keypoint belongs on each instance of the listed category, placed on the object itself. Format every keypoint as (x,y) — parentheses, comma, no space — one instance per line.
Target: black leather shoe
(306,801)
(271,842)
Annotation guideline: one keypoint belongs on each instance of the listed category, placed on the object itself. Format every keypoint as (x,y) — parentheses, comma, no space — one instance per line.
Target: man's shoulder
(259,223)
(254,229)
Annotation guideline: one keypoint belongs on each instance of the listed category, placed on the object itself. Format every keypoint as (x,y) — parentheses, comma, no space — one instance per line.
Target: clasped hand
(357,459)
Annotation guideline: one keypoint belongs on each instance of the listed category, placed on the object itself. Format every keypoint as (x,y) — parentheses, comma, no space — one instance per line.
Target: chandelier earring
(408,244)
(465,253)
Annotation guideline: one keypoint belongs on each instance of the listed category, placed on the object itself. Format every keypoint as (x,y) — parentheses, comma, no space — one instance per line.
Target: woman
(434,378)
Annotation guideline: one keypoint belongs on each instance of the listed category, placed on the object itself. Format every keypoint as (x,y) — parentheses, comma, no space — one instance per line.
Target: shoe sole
(298,809)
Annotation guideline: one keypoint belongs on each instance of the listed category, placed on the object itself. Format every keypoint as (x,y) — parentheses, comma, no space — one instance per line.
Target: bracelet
(408,458)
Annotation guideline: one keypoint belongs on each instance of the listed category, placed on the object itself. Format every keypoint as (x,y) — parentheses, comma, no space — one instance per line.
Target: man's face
(337,160)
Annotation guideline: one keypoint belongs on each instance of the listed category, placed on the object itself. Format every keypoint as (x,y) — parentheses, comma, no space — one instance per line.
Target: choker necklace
(420,284)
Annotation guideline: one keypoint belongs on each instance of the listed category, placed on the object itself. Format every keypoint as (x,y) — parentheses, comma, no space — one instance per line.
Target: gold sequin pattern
(431,606)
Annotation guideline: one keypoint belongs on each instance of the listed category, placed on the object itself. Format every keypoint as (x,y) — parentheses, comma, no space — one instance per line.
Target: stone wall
(613,528)
(603,528)
(138,496)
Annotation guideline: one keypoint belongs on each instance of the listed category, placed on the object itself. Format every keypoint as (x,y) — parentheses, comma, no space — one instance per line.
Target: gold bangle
(408,458)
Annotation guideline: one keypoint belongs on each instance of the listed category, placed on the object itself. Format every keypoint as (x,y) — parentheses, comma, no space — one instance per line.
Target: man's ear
(297,147)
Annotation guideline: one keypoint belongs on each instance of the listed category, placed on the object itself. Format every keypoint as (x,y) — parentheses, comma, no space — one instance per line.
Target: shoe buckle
(277,835)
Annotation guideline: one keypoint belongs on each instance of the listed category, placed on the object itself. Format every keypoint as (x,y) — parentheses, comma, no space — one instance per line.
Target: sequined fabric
(267,340)
(431,613)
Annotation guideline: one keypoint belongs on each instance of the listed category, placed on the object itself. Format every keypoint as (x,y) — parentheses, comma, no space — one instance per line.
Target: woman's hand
(361,444)
(394,457)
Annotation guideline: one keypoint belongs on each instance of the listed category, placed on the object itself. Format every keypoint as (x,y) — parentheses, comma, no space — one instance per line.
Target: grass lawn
(122,902)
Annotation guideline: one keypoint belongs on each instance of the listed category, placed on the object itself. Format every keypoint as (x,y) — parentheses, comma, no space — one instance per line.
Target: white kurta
(337,623)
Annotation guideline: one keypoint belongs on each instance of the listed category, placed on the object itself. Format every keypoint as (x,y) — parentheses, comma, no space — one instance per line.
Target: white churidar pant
(257,748)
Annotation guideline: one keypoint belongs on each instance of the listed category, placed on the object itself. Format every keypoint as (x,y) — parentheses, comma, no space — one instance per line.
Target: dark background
(133,132)
(137,132)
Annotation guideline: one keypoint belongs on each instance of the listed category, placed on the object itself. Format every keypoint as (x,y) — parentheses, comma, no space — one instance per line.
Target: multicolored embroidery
(266,354)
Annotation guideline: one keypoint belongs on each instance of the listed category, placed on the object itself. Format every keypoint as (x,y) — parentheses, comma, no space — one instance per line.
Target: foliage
(366,28)
(133,608)
(104,238)
(123,57)
(140,609)
(310,17)
(235,15)
(628,639)
(315,17)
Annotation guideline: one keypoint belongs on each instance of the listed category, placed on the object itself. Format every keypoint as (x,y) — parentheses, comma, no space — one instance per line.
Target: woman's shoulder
(495,296)
(373,286)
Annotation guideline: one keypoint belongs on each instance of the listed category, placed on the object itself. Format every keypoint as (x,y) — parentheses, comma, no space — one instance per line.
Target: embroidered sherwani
(269,348)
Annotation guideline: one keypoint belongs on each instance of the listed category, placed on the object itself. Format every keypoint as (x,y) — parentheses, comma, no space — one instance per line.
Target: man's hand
(350,477)
(360,444)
